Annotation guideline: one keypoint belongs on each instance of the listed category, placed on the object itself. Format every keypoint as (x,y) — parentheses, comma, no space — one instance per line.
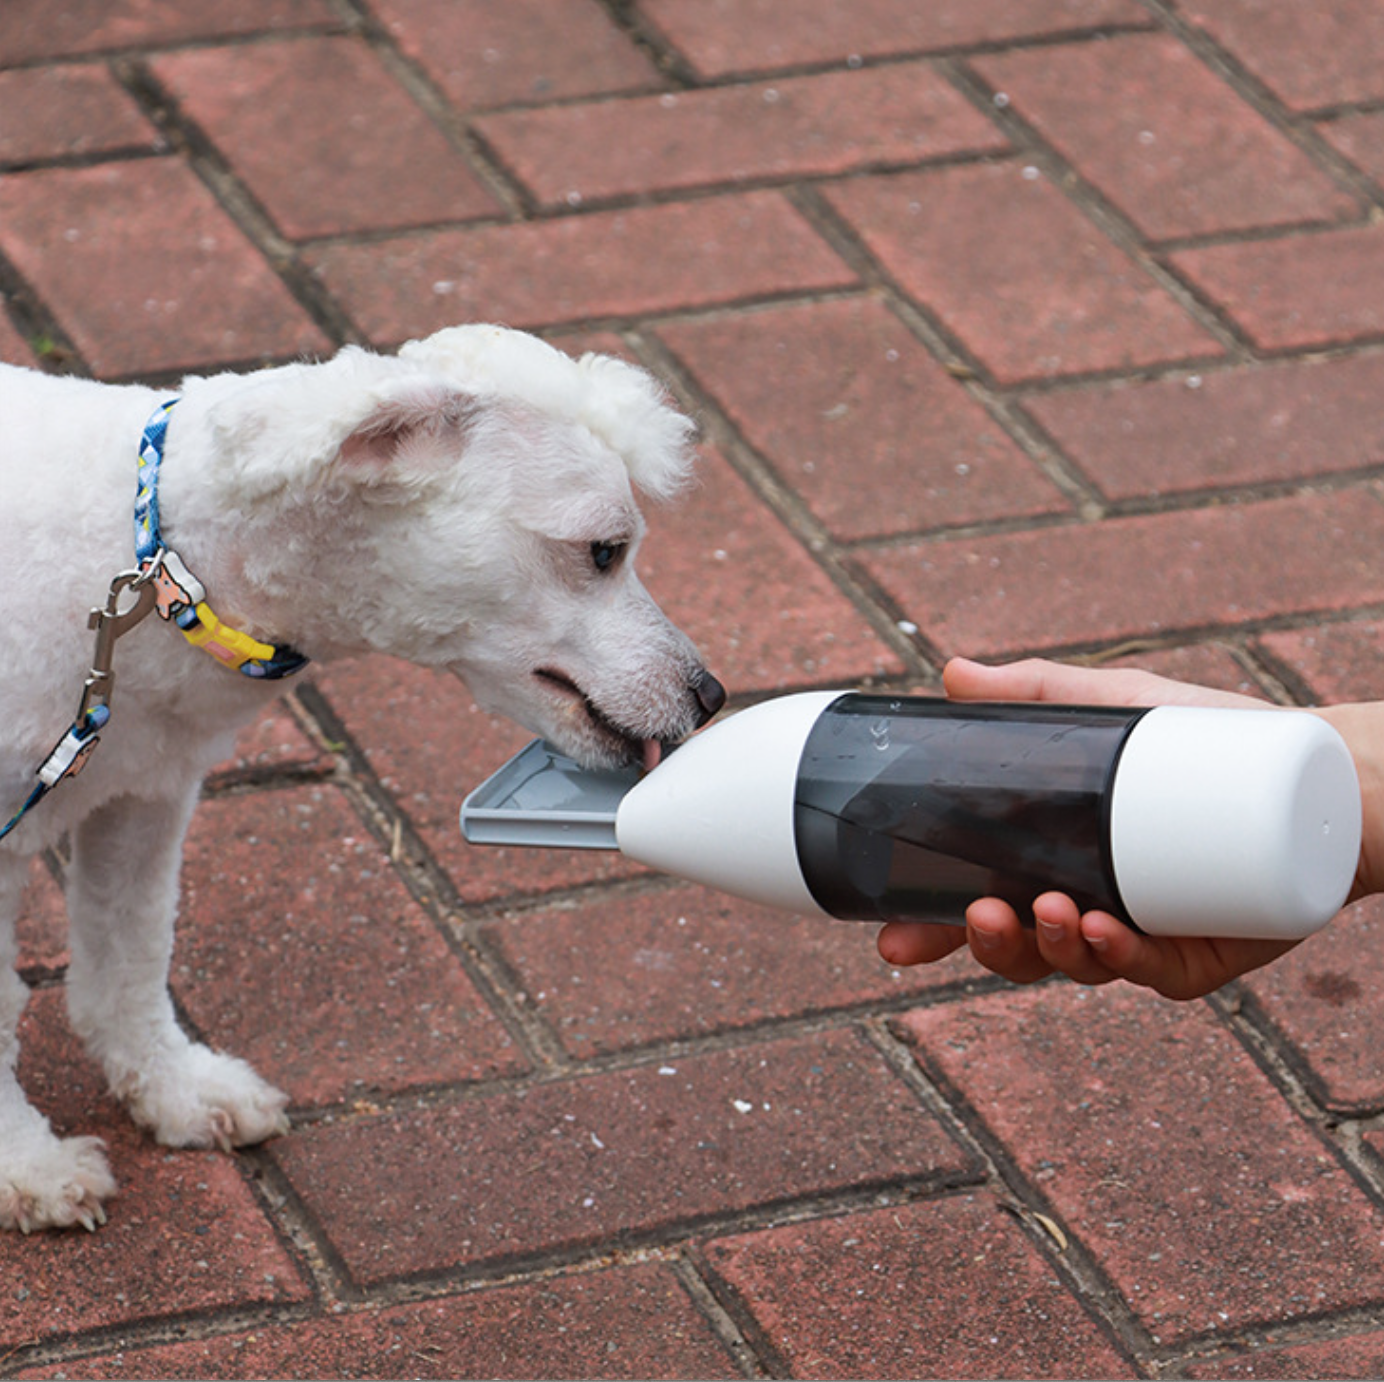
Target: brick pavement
(1012,325)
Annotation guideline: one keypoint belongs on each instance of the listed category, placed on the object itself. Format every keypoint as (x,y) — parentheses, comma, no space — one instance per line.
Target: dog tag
(540,797)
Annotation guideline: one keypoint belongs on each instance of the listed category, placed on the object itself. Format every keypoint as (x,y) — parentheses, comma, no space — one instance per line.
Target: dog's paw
(49,1182)
(206,1099)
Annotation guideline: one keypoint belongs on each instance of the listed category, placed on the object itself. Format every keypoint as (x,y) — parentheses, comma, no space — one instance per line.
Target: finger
(1177,967)
(917,943)
(1057,926)
(1036,679)
(1002,944)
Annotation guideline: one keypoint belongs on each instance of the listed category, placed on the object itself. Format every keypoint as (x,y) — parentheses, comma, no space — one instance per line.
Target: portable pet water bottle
(1182,821)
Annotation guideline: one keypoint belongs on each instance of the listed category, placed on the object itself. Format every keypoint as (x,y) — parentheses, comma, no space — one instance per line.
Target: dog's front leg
(45,1181)
(122,897)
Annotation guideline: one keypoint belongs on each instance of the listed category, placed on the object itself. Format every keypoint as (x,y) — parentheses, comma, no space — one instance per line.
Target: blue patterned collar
(181,597)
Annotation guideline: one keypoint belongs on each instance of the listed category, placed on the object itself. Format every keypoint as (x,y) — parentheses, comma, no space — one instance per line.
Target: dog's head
(475,497)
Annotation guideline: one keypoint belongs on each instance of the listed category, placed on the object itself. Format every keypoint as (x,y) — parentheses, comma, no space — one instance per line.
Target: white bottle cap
(1236,823)
(719,811)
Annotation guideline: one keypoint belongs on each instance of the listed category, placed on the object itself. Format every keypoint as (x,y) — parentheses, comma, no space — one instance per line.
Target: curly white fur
(466,504)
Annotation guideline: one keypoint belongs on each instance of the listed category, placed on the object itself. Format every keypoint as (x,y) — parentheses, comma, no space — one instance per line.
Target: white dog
(465,505)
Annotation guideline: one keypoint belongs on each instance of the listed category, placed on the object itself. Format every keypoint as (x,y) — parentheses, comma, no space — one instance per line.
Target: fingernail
(1051,931)
(986,940)
(1100,944)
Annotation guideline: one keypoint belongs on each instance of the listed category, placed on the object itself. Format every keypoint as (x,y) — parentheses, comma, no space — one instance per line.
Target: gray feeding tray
(541,797)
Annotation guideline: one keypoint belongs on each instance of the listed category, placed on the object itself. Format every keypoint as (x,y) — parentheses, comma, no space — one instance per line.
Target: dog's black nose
(710,694)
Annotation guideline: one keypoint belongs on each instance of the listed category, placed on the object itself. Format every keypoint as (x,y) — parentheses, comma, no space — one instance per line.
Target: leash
(161,582)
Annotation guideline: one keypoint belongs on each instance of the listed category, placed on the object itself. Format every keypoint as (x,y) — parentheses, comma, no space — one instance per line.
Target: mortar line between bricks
(644,32)
(1362,480)
(617,1246)
(1262,669)
(739,1312)
(694,1275)
(896,57)
(132,153)
(1277,1335)
(67,1349)
(796,1028)
(1080,1272)
(1081,381)
(1246,1018)
(247,214)
(148,44)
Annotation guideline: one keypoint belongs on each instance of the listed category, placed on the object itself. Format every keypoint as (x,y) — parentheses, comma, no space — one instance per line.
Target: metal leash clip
(109,623)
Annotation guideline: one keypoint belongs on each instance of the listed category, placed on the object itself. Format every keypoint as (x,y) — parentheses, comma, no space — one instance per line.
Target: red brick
(483,54)
(273,743)
(625,1322)
(1361,139)
(621,1155)
(841,1297)
(1163,1148)
(145,271)
(1178,435)
(1322,998)
(764,614)
(675,965)
(799,127)
(616,263)
(1017,273)
(724,36)
(301,951)
(1338,662)
(42,928)
(858,418)
(1164,138)
(1345,1356)
(65,112)
(1325,54)
(430,746)
(185,1234)
(275,110)
(1132,577)
(35,28)
(1299,291)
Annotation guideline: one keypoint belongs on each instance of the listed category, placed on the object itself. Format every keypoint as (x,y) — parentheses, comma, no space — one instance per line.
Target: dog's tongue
(653,754)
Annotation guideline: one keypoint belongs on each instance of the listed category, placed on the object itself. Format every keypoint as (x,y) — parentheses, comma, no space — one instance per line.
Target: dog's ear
(409,426)
(358,417)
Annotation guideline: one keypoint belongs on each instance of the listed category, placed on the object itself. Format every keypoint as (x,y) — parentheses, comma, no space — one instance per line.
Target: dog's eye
(604,555)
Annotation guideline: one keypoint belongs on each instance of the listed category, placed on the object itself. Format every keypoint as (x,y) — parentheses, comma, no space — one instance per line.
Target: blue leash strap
(68,758)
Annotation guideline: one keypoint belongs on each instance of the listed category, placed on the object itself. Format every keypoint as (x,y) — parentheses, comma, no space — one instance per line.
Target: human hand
(1094,948)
